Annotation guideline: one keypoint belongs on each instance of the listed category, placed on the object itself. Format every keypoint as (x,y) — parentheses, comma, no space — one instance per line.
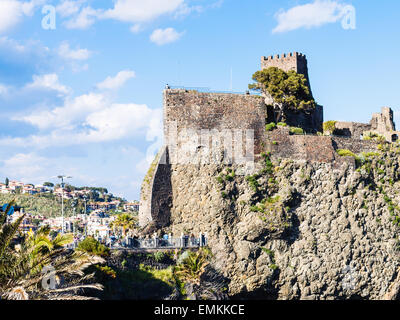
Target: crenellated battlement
(284,56)
(292,61)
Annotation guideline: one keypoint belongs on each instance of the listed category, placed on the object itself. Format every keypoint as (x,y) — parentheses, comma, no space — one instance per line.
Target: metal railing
(208,90)
(157,243)
(150,243)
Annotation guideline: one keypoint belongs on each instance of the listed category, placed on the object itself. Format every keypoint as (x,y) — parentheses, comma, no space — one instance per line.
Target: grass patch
(270,126)
(296,131)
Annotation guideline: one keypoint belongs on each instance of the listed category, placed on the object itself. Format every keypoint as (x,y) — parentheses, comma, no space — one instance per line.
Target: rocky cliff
(296,229)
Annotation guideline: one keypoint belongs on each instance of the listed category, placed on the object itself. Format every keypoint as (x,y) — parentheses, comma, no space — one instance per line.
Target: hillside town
(94,219)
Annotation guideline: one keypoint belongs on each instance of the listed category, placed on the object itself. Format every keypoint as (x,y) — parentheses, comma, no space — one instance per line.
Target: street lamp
(86,218)
(62,177)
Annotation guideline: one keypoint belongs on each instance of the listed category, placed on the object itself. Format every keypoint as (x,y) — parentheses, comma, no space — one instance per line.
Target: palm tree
(124,221)
(193,266)
(22,269)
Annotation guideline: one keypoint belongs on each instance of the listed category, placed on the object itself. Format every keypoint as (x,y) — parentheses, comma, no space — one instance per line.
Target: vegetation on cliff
(93,247)
(329,127)
(293,228)
(289,90)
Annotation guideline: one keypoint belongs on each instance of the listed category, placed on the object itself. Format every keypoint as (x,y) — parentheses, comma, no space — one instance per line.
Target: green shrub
(329,127)
(159,256)
(281,124)
(270,126)
(107,271)
(268,252)
(273,266)
(252,180)
(368,155)
(345,153)
(296,131)
(370,135)
(92,246)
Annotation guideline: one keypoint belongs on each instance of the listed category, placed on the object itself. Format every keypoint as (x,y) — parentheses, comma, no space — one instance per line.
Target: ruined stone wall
(381,123)
(351,129)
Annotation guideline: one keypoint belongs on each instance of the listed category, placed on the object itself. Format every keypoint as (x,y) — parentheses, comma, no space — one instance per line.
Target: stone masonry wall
(293,61)
(381,123)
(311,147)
(306,147)
(356,146)
(351,129)
(214,111)
(156,192)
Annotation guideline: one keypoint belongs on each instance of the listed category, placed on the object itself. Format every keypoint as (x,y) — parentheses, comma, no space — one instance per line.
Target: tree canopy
(48,184)
(288,89)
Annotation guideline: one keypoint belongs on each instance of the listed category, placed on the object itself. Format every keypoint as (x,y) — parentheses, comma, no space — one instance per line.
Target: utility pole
(231,84)
(86,218)
(62,177)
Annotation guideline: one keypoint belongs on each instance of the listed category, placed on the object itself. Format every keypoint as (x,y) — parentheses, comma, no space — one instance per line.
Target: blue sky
(85,98)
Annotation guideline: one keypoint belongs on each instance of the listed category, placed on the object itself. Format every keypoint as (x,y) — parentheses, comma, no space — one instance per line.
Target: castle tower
(311,122)
(292,61)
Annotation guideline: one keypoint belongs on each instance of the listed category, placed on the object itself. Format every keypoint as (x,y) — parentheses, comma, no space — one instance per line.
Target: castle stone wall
(305,147)
(213,111)
(355,146)
(156,193)
(311,147)
(381,123)
(311,121)
(351,129)
(293,61)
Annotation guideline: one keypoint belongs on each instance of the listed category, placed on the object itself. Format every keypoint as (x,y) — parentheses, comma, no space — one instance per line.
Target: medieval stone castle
(197,112)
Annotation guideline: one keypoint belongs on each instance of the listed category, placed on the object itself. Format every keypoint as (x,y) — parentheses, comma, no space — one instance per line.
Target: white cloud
(117,81)
(82,136)
(141,11)
(119,121)
(12,44)
(3,89)
(89,118)
(68,7)
(136,28)
(48,82)
(135,12)
(72,111)
(67,53)
(310,15)
(84,19)
(165,36)
(12,12)
(113,123)
(25,166)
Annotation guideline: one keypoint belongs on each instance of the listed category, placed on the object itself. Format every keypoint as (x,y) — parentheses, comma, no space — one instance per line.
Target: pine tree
(289,90)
